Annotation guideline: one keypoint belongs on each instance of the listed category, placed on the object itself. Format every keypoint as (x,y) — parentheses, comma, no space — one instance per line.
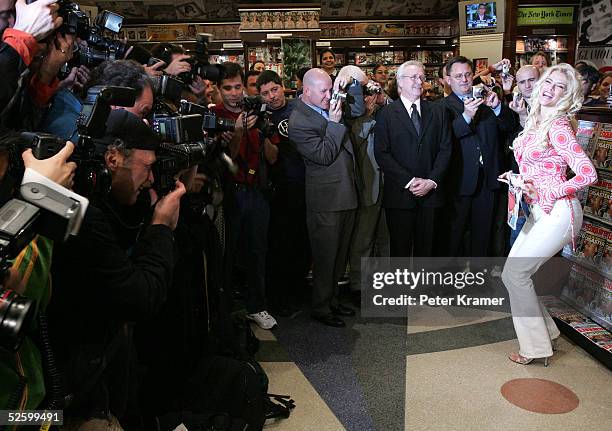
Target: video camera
(99,47)
(91,176)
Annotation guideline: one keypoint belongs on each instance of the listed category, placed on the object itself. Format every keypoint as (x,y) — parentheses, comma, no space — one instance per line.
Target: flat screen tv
(481,17)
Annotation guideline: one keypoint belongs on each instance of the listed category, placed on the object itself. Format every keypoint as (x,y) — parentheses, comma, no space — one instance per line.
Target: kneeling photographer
(246,205)
(115,272)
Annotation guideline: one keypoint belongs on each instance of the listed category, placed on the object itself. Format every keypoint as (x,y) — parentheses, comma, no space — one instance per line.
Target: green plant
(296,54)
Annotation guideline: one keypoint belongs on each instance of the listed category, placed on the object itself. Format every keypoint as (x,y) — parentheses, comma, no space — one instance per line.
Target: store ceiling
(224,10)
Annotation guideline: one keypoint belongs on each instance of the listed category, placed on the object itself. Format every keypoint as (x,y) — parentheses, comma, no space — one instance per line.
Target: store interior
(448,366)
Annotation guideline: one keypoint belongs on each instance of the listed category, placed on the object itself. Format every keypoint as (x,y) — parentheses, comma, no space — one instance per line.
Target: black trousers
(289,249)
(247,217)
(474,213)
(411,231)
(330,237)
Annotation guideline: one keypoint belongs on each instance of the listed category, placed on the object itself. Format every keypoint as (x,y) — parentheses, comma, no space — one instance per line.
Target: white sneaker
(263,319)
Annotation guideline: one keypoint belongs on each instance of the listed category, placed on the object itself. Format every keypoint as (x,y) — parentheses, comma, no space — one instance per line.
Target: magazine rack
(588,289)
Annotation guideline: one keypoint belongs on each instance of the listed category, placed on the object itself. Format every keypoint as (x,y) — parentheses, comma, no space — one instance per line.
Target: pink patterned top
(546,168)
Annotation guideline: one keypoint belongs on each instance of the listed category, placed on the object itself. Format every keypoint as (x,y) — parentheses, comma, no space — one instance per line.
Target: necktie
(416,119)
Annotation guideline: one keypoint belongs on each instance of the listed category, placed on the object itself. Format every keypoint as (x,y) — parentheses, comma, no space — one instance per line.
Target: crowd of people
(141,329)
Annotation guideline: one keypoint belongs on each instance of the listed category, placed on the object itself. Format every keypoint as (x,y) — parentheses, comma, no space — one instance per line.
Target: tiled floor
(444,371)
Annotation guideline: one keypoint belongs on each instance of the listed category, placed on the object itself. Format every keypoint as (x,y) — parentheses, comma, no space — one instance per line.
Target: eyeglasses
(414,77)
(466,75)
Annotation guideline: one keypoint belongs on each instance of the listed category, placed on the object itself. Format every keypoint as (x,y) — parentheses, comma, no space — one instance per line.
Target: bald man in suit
(316,128)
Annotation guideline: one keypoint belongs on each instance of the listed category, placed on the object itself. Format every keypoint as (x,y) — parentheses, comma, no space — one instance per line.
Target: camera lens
(16,313)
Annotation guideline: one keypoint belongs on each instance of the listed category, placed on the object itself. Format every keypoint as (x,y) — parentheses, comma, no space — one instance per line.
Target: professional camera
(255,105)
(178,129)
(211,123)
(42,210)
(173,158)
(99,47)
(479,91)
(168,88)
(16,315)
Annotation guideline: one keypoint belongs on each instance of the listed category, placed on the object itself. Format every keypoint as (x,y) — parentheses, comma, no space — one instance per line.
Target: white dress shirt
(408,105)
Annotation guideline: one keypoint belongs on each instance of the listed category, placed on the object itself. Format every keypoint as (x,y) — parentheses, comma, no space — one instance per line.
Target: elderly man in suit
(413,148)
(476,124)
(316,128)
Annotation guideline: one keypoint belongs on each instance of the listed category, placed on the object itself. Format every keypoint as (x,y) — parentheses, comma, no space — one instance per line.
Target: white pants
(542,236)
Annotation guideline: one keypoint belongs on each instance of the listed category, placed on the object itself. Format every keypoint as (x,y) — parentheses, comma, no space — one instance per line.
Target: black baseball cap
(130,130)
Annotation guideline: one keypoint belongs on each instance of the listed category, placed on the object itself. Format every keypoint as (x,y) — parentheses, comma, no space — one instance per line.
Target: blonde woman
(544,150)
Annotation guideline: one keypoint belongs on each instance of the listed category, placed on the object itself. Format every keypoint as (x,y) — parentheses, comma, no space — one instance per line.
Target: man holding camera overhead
(331,196)
(477,118)
(246,201)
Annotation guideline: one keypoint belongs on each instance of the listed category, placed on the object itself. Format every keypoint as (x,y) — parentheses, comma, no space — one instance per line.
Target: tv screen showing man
(481,15)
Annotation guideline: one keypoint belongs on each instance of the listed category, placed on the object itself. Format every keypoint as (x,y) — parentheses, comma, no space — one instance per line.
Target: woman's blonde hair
(567,106)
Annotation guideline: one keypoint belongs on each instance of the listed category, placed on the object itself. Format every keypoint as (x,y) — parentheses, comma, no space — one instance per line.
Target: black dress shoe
(329,320)
(342,310)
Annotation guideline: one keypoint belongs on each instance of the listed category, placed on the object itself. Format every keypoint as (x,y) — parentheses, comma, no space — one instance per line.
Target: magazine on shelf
(598,200)
(593,247)
(602,149)
(586,135)
(590,293)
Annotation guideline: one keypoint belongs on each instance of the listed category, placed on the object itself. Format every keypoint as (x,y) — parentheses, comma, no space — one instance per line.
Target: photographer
(62,116)
(21,44)
(476,122)
(246,205)
(21,372)
(174,56)
(331,195)
(289,255)
(127,265)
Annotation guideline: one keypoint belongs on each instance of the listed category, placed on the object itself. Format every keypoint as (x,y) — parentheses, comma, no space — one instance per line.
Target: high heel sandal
(516,357)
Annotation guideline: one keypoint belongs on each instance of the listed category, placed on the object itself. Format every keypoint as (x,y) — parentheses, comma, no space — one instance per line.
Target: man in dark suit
(413,148)
(476,124)
(331,195)
(482,13)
